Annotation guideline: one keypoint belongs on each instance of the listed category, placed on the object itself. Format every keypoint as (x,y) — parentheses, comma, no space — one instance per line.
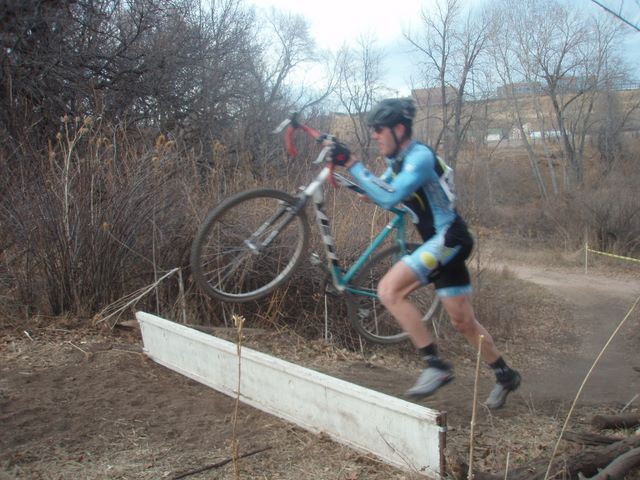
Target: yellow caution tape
(614,256)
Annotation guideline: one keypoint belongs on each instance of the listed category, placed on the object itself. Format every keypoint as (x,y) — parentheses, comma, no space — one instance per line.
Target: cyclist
(417,177)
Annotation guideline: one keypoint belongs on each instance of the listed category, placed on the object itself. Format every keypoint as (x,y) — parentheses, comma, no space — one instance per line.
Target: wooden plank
(400,433)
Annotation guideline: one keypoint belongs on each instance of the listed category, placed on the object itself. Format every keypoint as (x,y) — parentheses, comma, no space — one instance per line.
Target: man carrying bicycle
(417,177)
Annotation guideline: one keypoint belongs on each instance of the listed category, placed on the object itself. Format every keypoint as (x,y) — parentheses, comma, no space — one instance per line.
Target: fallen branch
(587,462)
(617,469)
(218,464)
(627,420)
(86,354)
(591,439)
(584,381)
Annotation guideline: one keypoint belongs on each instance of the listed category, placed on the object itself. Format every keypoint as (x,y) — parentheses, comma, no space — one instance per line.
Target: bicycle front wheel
(249,245)
(367,314)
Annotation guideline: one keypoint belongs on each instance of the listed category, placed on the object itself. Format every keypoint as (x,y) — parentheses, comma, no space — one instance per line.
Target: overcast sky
(336,22)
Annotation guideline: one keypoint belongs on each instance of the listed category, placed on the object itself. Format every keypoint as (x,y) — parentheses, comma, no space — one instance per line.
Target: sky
(336,22)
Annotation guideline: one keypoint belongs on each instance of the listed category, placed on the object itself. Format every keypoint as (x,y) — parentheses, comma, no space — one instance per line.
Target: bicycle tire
(231,263)
(367,314)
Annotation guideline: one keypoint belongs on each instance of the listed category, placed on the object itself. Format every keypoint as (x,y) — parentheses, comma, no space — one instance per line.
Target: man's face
(384,138)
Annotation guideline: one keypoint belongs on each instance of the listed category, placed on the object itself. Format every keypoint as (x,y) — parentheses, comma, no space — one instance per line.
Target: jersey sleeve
(388,190)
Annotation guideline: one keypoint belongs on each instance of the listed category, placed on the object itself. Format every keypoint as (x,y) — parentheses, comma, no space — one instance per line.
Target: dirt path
(595,306)
(81,403)
(598,305)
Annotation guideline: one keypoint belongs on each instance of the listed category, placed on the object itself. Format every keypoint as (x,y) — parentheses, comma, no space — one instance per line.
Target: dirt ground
(87,403)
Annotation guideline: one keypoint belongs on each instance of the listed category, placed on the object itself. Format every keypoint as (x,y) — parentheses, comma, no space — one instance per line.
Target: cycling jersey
(418,178)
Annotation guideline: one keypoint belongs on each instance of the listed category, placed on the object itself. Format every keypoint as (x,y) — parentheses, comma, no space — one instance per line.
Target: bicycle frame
(340,278)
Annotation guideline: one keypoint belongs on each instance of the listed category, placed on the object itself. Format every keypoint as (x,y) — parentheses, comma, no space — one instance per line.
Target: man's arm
(416,172)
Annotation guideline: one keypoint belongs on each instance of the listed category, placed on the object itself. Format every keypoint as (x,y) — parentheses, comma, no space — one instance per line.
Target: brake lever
(342,181)
(285,123)
(326,136)
(293,120)
(322,154)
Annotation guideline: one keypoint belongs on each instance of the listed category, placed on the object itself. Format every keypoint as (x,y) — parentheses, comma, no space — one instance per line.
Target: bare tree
(89,189)
(450,46)
(149,62)
(434,43)
(564,56)
(286,47)
(612,117)
(359,85)
(293,48)
(508,65)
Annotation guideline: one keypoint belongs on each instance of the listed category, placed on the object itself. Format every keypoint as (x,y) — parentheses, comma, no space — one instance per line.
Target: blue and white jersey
(419,179)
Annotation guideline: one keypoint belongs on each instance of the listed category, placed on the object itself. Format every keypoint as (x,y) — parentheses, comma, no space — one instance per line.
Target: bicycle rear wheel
(367,314)
(249,245)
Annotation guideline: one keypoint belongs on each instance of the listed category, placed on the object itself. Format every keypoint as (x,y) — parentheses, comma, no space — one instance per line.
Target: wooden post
(586,257)
(183,303)
(586,249)
(473,410)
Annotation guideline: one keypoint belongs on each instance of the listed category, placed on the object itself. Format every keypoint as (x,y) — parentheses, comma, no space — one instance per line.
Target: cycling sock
(503,372)
(430,356)
(430,350)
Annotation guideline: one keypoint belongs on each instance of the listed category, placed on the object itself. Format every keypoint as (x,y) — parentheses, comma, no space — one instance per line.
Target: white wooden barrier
(400,433)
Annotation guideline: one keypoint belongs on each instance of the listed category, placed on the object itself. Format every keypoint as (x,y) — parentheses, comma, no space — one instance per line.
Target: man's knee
(396,284)
(462,323)
(460,313)
(388,293)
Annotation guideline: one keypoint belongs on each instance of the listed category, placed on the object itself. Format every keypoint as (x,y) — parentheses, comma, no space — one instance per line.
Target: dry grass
(113,212)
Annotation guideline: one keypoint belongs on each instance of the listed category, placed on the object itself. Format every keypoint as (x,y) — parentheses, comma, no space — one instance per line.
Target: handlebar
(293,124)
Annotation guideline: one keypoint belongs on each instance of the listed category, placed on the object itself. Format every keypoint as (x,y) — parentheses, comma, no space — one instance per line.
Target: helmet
(392,111)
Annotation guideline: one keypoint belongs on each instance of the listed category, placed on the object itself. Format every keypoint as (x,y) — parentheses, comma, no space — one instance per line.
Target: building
(519,89)
(431,97)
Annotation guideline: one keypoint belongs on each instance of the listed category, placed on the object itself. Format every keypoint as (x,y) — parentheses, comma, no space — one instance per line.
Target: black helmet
(392,111)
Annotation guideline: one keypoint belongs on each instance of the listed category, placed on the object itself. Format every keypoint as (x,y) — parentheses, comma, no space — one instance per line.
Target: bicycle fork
(254,245)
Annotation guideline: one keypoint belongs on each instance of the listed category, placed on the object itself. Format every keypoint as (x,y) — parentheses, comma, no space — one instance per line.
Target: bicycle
(252,242)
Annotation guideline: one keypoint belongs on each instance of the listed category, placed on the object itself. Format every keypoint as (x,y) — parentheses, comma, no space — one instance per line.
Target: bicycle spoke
(249,246)
(220,277)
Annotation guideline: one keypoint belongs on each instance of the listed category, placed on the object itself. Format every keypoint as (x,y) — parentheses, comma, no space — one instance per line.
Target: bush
(94,218)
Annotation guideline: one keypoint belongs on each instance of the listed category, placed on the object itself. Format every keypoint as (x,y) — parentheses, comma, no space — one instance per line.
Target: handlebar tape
(293,151)
(289,134)
(288,141)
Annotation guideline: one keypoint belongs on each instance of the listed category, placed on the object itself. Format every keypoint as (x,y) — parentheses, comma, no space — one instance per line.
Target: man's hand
(339,154)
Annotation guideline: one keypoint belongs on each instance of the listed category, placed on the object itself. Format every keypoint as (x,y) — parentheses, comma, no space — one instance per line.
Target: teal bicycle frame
(397,224)
(341,280)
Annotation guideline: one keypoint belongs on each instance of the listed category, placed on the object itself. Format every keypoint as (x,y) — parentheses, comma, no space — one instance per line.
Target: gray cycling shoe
(430,380)
(498,396)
